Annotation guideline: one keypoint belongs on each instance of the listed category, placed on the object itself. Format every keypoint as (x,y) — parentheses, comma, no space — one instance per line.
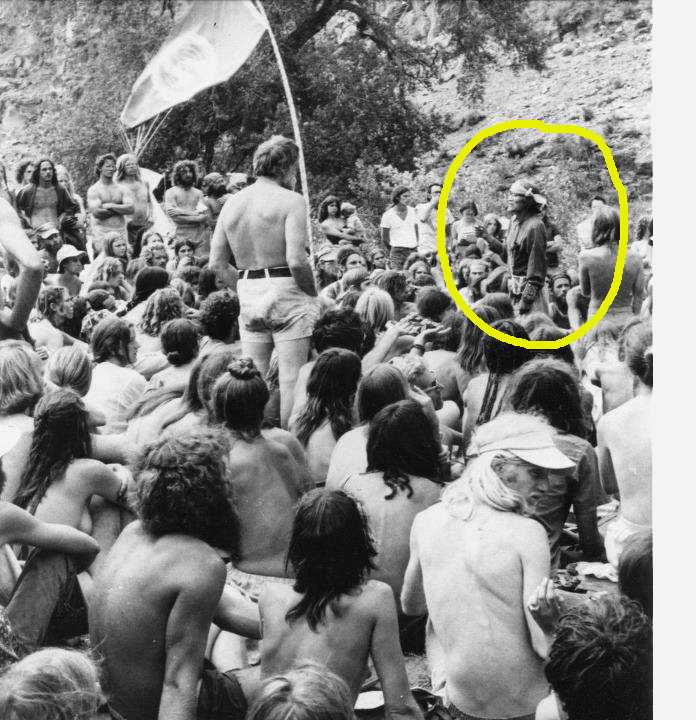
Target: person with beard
(478,272)
(327,270)
(43,200)
(558,306)
(183,202)
(108,202)
(128,175)
(263,230)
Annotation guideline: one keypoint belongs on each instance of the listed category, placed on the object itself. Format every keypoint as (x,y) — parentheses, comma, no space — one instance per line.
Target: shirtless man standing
(162,585)
(183,202)
(262,229)
(128,175)
(108,202)
(483,645)
(333,616)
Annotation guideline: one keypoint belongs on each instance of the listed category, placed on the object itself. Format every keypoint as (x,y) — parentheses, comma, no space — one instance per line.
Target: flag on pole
(209,44)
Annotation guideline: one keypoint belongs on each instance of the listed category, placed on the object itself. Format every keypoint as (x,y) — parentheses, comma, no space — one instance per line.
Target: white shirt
(427,226)
(402,233)
(115,390)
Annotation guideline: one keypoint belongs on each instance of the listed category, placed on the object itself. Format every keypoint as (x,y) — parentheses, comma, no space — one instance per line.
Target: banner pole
(295,125)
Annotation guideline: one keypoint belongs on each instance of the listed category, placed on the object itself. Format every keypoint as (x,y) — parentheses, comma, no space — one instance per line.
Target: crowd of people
(254,471)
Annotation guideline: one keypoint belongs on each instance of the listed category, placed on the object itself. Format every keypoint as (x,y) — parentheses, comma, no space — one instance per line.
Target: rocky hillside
(598,76)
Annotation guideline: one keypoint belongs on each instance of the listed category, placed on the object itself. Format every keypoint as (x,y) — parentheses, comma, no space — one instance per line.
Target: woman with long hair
(116,387)
(380,386)
(550,388)
(61,476)
(597,266)
(401,480)
(470,352)
(162,306)
(334,614)
(328,412)
(484,395)
(147,281)
(112,272)
(331,221)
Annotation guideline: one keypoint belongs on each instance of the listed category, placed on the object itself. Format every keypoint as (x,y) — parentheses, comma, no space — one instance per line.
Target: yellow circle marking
(623,237)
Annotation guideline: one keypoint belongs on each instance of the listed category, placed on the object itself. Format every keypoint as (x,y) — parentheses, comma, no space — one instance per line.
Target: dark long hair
(147,281)
(401,443)
(470,352)
(550,388)
(239,397)
(61,434)
(501,359)
(330,551)
(330,391)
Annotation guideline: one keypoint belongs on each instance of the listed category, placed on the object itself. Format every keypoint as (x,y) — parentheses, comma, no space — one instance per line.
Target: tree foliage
(353,65)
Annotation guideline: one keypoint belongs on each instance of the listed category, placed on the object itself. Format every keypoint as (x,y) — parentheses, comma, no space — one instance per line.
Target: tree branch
(310,25)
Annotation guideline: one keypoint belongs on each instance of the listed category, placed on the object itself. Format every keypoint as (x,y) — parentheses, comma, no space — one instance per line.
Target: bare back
(475,594)
(597,267)
(624,438)
(128,617)
(267,482)
(254,223)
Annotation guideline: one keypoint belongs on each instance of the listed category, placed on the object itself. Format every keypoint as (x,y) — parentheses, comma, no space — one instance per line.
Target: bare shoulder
(85,466)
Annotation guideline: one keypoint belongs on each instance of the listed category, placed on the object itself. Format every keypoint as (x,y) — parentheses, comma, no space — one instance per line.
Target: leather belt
(266,272)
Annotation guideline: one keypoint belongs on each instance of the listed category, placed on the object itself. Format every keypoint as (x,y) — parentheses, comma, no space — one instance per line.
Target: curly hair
(49,296)
(340,327)
(162,306)
(182,488)
(600,663)
(400,443)
(61,434)
(239,397)
(21,384)
(331,388)
(179,166)
(218,314)
(330,551)
(550,388)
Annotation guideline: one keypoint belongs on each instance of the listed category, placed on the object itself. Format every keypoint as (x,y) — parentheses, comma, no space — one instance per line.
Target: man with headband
(477,558)
(526,243)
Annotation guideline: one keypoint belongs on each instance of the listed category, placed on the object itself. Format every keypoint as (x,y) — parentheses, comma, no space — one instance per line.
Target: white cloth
(402,233)
(427,229)
(619,532)
(115,390)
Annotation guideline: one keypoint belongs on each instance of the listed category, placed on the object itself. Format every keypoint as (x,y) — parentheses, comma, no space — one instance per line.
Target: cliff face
(597,76)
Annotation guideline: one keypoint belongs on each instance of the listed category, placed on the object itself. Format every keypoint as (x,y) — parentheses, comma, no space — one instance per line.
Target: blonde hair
(50,684)
(480,484)
(70,367)
(20,380)
(309,692)
(375,307)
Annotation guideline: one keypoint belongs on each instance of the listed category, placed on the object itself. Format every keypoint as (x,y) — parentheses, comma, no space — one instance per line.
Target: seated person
(380,386)
(165,569)
(328,413)
(332,615)
(600,663)
(307,692)
(218,317)
(475,557)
